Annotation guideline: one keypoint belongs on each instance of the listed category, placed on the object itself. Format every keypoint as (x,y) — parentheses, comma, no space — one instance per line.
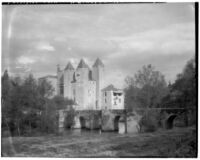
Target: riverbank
(179,142)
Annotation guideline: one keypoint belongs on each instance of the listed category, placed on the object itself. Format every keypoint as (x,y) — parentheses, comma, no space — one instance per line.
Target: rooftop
(110,88)
(69,66)
(98,62)
(82,64)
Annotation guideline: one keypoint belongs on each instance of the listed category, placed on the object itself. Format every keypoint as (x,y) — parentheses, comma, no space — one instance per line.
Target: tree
(62,103)
(184,87)
(183,91)
(49,117)
(5,86)
(45,89)
(145,89)
(6,97)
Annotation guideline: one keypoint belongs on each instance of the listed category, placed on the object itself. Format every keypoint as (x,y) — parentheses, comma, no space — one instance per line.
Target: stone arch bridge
(108,120)
(168,115)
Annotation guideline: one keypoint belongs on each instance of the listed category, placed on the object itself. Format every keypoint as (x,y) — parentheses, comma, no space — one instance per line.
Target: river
(121,130)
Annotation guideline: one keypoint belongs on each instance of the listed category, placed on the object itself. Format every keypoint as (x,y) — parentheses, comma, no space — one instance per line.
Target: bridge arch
(82,122)
(116,122)
(169,121)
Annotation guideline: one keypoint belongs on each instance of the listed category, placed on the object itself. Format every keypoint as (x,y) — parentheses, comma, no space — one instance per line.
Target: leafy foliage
(145,89)
(183,91)
(69,120)
(26,106)
(150,121)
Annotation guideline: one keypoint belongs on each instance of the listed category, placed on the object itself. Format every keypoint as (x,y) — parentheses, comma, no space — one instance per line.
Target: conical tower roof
(98,62)
(82,64)
(69,66)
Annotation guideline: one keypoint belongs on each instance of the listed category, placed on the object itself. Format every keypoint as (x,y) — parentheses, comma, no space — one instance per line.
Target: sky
(35,38)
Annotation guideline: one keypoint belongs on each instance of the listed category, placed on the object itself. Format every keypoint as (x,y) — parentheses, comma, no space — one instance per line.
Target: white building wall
(109,101)
(117,100)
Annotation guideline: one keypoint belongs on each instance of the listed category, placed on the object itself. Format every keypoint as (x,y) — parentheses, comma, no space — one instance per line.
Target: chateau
(84,85)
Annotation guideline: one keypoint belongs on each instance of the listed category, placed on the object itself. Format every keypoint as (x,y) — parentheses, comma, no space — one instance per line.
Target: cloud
(173,39)
(44,46)
(25,60)
(125,37)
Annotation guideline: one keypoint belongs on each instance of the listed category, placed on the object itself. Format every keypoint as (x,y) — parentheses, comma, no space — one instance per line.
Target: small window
(105,94)
(119,100)
(105,101)
(115,103)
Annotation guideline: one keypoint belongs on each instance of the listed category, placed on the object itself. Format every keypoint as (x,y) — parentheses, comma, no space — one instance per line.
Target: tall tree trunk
(186,118)
(186,111)
(18,127)
(126,121)
(30,126)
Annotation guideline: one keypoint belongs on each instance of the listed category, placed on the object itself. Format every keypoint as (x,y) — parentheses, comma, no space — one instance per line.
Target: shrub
(149,122)
(69,120)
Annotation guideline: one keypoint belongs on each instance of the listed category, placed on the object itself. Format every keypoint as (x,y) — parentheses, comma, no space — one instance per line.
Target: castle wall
(68,78)
(85,95)
(59,75)
(91,95)
(107,100)
(78,95)
(98,76)
(82,74)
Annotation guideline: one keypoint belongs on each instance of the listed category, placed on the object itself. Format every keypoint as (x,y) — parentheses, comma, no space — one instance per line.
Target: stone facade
(112,98)
(95,107)
(83,85)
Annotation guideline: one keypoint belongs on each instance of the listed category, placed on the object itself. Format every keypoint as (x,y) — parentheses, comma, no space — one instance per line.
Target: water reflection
(121,128)
(81,132)
(76,131)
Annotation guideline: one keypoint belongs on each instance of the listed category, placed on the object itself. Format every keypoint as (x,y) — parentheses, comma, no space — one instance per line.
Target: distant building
(84,85)
(112,98)
(52,80)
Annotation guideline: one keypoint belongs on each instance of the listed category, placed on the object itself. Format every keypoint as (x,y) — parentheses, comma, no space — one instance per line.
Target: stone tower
(82,72)
(80,84)
(68,78)
(59,80)
(98,76)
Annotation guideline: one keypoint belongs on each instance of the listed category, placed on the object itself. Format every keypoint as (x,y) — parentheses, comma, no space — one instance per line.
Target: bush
(150,121)
(69,120)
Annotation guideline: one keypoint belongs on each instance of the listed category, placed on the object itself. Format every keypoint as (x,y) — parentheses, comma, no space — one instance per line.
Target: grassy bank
(179,142)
